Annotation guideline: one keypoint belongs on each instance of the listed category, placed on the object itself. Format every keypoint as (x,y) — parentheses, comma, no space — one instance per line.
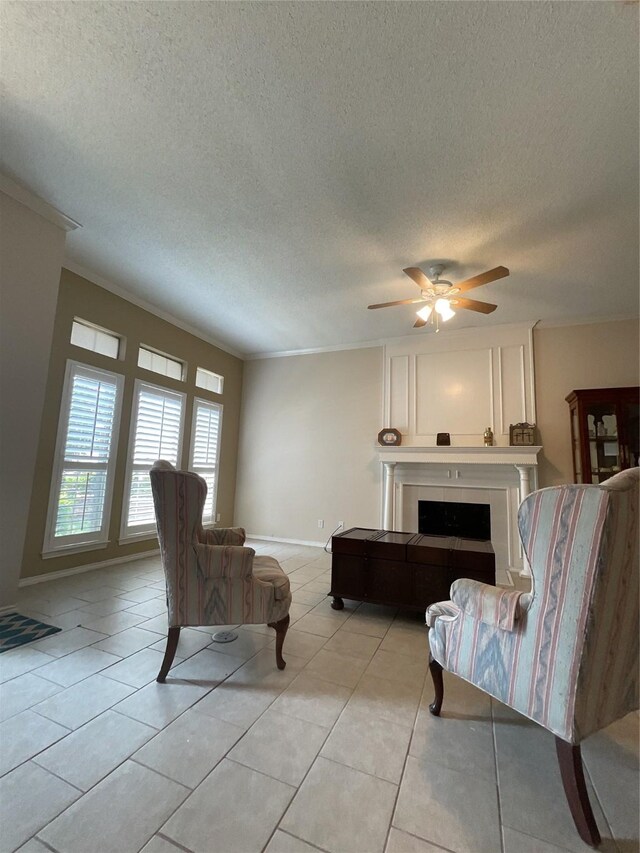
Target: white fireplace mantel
(453,467)
(461,455)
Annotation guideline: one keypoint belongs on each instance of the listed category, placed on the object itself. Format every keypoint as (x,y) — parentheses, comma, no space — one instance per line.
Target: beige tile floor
(337,753)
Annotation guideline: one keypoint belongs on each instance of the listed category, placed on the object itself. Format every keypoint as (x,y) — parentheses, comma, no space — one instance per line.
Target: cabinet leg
(337,603)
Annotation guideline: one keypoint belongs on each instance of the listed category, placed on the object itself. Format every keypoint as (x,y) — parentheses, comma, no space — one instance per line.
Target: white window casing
(204,459)
(84,461)
(157,419)
(209,380)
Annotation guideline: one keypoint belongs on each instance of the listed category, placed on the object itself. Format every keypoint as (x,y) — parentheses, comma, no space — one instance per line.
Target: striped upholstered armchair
(566,654)
(212,578)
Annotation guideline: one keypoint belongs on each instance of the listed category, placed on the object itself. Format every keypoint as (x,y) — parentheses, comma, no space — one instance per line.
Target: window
(156,433)
(205,450)
(209,381)
(88,336)
(82,481)
(160,363)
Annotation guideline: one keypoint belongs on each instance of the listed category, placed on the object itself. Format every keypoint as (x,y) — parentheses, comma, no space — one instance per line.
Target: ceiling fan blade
(474,305)
(397,302)
(419,323)
(416,274)
(483,278)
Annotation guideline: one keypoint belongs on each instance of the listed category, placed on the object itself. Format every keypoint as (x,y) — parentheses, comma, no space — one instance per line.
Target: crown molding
(100,281)
(257,356)
(380,342)
(585,321)
(38,205)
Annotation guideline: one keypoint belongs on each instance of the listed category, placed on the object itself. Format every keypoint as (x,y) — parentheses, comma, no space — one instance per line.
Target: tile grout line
(278,826)
(497,773)
(406,757)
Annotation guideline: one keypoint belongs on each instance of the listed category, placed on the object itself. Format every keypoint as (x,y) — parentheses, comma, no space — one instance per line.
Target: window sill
(137,537)
(73,549)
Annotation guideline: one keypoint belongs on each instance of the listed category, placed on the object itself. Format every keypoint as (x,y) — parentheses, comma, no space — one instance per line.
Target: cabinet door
(630,434)
(575,445)
(389,582)
(603,441)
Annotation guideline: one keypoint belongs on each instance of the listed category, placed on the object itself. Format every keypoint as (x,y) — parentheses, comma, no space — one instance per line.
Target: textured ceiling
(263,171)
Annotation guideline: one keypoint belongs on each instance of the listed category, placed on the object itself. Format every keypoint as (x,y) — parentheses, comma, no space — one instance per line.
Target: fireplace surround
(498,477)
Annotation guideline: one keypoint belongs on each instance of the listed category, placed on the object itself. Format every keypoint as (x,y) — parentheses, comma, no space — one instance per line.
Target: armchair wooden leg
(436,674)
(575,789)
(170,652)
(281,631)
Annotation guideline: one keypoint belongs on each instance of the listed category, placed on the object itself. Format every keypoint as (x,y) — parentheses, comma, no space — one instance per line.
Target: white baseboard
(78,570)
(8,608)
(308,542)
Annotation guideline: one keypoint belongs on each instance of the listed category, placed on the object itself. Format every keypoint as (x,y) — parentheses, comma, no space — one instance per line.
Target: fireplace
(497,477)
(445,518)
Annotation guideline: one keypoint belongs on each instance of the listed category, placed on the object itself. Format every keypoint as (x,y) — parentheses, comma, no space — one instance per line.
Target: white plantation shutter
(85,453)
(156,433)
(205,450)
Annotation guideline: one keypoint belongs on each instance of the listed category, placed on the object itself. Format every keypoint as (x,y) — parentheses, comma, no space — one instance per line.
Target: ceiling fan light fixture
(425,313)
(443,307)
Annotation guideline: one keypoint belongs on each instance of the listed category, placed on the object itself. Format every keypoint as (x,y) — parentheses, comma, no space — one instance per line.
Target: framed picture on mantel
(389,437)
(521,435)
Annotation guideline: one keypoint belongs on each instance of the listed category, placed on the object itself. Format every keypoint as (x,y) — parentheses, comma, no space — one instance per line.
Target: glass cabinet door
(631,438)
(604,444)
(575,442)
(605,432)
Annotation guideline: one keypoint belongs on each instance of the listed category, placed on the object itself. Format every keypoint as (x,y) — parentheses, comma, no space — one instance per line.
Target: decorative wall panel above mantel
(461,383)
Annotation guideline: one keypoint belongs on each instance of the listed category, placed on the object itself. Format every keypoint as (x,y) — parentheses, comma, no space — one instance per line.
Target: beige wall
(81,298)
(603,355)
(308,430)
(309,426)
(31,250)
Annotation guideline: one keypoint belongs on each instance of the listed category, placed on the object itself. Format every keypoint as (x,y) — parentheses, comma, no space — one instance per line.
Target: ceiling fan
(441,296)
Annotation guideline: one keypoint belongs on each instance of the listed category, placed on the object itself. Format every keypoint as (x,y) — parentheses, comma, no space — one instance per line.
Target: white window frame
(198,401)
(147,531)
(53,545)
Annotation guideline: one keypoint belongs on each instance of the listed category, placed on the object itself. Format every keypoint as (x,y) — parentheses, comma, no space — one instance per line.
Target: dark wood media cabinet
(404,569)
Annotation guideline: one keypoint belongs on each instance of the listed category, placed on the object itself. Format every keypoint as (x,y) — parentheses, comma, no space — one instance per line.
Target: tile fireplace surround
(498,476)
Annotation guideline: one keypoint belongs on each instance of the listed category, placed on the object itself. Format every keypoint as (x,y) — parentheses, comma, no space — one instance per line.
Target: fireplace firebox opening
(441,518)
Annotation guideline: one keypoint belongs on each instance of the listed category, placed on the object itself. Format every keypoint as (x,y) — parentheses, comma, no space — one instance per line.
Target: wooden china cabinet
(604,432)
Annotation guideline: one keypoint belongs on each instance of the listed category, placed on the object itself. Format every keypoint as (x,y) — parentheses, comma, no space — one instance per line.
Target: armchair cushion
(268,570)
(223,536)
(491,605)
(224,561)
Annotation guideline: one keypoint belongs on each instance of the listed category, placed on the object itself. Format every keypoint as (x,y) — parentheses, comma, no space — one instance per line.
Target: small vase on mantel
(488,437)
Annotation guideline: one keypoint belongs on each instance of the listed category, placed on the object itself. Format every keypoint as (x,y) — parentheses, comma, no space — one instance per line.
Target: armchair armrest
(489,604)
(224,536)
(225,561)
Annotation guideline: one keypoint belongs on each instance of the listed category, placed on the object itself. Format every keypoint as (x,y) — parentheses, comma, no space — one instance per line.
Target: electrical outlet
(218,517)
(340,524)
(320,523)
